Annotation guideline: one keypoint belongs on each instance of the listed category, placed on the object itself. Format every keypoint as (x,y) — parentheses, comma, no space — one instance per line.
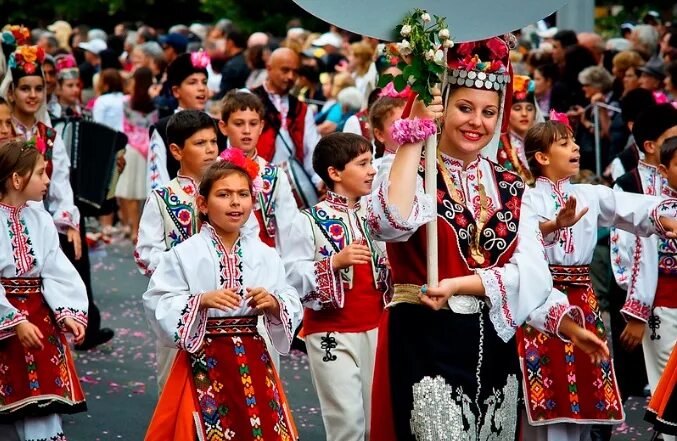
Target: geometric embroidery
(22,247)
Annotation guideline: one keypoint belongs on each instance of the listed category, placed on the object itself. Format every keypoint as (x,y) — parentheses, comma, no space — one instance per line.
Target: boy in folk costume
(634,259)
(204,298)
(41,298)
(187,77)
(170,214)
(241,122)
(342,276)
(565,393)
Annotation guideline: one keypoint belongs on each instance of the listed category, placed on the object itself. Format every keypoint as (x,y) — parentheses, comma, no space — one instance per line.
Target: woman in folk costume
(204,298)
(447,364)
(24,88)
(524,113)
(564,392)
(41,298)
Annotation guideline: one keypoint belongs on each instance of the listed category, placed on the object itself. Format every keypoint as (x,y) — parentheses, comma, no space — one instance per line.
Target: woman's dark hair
(255,56)
(576,58)
(219,170)
(111,80)
(549,72)
(17,157)
(140,100)
(109,59)
(539,138)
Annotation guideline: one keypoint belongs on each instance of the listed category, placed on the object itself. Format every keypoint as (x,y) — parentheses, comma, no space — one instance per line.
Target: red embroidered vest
(455,229)
(273,120)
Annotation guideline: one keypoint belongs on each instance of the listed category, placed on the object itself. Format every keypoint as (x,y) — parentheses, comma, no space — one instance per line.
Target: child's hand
(632,335)
(669,225)
(589,343)
(567,216)
(224,299)
(29,335)
(75,328)
(259,298)
(436,298)
(354,254)
(74,237)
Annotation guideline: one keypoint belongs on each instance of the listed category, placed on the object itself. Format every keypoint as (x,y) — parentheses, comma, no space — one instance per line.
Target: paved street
(119,377)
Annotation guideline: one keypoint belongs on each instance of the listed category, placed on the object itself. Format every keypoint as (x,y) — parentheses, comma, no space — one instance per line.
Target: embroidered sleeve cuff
(64,220)
(328,292)
(142,265)
(9,321)
(557,314)
(635,308)
(192,325)
(499,311)
(666,208)
(281,340)
(60,314)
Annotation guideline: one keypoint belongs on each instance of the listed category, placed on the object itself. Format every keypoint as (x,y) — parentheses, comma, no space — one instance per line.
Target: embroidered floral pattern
(230,263)
(329,293)
(62,313)
(22,247)
(637,309)
(266,199)
(180,209)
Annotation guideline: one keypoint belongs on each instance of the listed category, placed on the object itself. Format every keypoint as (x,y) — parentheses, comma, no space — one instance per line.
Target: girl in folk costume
(24,88)
(204,298)
(661,273)
(68,86)
(41,298)
(383,113)
(524,113)
(457,376)
(565,392)
(242,115)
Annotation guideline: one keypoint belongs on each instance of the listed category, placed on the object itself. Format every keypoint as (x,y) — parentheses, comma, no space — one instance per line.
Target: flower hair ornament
(199,59)
(480,64)
(27,60)
(522,89)
(560,118)
(13,36)
(239,159)
(66,67)
(390,91)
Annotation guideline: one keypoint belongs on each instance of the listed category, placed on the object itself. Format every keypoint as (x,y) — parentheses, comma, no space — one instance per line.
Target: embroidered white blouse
(519,291)
(201,264)
(59,201)
(29,246)
(634,259)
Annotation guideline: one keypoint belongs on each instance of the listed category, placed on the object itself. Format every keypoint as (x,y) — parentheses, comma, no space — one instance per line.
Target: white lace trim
(492,290)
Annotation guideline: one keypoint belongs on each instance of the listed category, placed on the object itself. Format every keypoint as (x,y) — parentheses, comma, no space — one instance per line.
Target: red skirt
(560,383)
(36,382)
(229,389)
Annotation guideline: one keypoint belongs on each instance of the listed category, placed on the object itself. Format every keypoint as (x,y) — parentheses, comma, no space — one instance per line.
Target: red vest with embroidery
(455,229)
(273,120)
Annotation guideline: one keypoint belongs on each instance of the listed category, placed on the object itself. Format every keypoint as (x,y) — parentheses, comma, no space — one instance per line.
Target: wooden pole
(431,227)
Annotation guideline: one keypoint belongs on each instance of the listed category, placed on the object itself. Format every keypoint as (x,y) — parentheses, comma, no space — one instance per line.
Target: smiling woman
(491,280)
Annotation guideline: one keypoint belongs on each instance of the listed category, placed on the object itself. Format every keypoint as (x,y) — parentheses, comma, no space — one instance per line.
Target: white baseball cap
(329,39)
(95,46)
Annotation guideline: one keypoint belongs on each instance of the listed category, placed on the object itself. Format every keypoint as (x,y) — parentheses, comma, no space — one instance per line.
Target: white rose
(406,30)
(425,17)
(430,55)
(444,34)
(439,57)
(448,44)
(404,48)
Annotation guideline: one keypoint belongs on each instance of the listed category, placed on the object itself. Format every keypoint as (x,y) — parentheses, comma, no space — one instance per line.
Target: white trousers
(342,369)
(555,432)
(32,428)
(660,336)
(164,356)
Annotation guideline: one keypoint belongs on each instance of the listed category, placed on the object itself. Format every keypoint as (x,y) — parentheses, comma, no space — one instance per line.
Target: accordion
(93,149)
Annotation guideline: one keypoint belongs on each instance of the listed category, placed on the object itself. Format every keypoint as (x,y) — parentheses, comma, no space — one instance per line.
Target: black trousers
(83,268)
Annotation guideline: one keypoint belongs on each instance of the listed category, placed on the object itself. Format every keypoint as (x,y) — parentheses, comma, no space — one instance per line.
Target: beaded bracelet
(410,131)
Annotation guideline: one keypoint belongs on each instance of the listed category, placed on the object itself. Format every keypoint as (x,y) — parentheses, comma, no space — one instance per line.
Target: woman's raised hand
(434,111)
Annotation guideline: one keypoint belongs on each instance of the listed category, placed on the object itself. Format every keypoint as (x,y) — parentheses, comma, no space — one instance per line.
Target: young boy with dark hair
(275,208)
(633,258)
(187,80)
(342,277)
(170,215)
